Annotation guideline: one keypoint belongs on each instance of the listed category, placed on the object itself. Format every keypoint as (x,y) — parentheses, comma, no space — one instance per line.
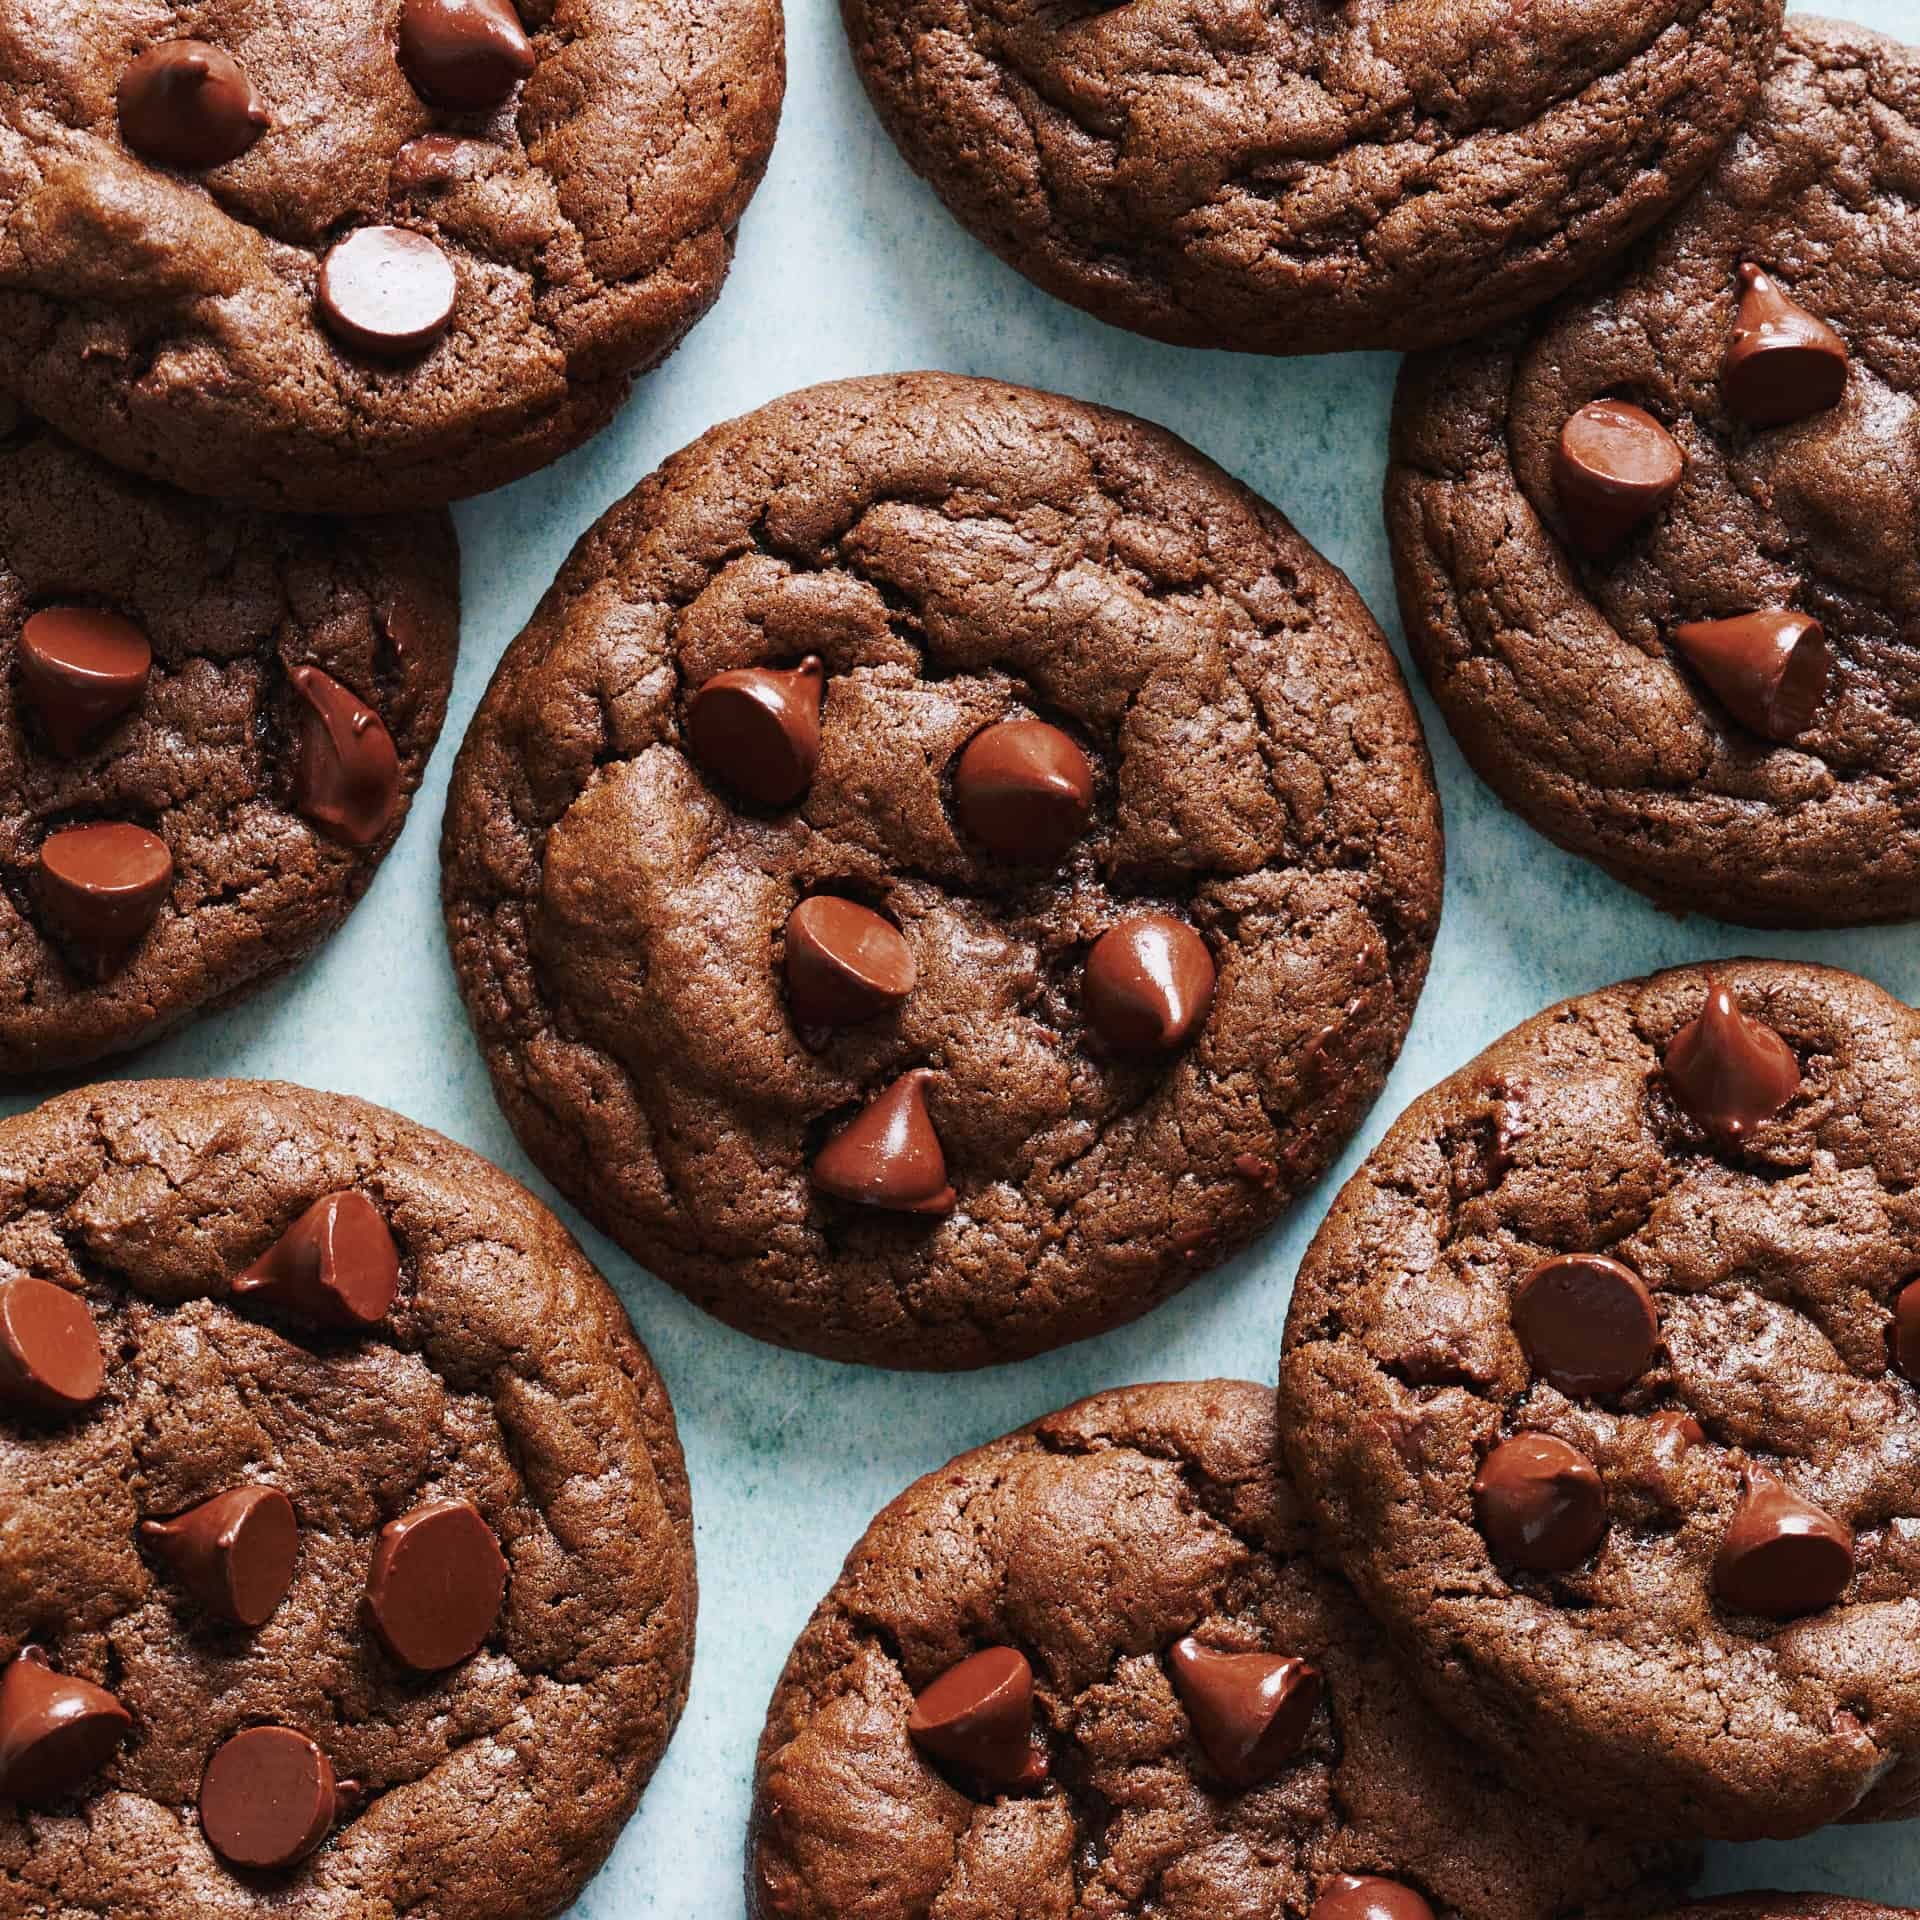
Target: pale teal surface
(848,265)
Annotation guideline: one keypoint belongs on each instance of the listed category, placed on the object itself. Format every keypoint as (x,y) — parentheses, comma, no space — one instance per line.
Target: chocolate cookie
(359,255)
(1095,1667)
(211,725)
(1601,1379)
(943,866)
(1655,546)
(1306,178)
(348,1561)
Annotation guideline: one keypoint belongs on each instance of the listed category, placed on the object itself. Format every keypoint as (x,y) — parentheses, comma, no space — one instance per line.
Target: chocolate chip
(1365,1896)
(336,1265)
(386,290)
(1250,1711)
(233,1553)
(1906,1331)
(1769,669)
(1782,362)
(1615,466)
(1541,1503)
(844,963)
(977,1719)
(1729,1071)
(1024,790)
(347,779)
(436,1586)
(1587,1323)
(1148,984)
(1675,1432)
(188,104)
(758,729)
(80,670)
(433,160)
(467,55)
(1781,1555)
(268,1798)
(55,1730)
(888,1155)
(49,1351)
(102,886)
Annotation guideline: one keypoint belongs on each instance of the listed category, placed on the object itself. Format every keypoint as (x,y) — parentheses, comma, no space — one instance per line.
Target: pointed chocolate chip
(186,103)
(1541,1503)
(1781,1555)
(386,290)
(1731,1072)
(758,729)
(1250,1711)
(1587,1323)
(1366,1896)
(977,1720)
(845,964)
(81,669)
(1782,362)
(336,1265)
(101,887)
(436,1586)
(1024,790)
(1769,669)
(347,778)
(888,1155)
(1906,1331)
(1148,984)
(467,55)
(233,1553)
(50,1355)
(56,1730)
(268,1798)
(1615,466)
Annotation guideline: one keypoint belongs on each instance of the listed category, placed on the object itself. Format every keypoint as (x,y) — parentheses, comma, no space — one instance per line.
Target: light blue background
(848,265)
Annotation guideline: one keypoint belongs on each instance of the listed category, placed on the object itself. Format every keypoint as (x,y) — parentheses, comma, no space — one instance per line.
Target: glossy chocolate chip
(1615,466)
(1148,985)
(347,778)
(845,964)
(56,1730)
(1587,1323)
(1541,1503)
(1024,790)
(102,886)
(1366,1896)
(186,103)
(433,160)
(1782,362)
(977,1720)
(1675,1432)
(233,1553)
(1249,1711)
(1781,1555)
(1768,669)
(758,729)
(80,670)
(467,55)
(268,1798)
(336,1265)
(436,1586)
(888,1154)
(387,291)
(1731,1072)
(50,1354)
(1906,1331)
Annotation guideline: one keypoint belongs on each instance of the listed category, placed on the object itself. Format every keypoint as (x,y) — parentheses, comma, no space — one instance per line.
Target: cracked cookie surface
(1775,1265)
(1304,178)
(1558,671)
(1090,1542)
(959,554)
(505,1375)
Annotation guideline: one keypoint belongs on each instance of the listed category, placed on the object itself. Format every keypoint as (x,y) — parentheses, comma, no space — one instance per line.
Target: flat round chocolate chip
(1781,1555)
(1250,1711)
(1148,984)
(336,1265)
(233,1553)
(1769,669)
(386,290)
(758,729)
(102,886)
(1024,790)
(50,1354)
(844,963)
(267,1798)
(189,104)
(888,1154)
(1541,1503)
(1730,1071)
(977,1720)
(81,668)
(347,778)
(56,1730)
(1366,1896)
(436,1586)
(1587,1323)
(1615,466)
(467,55)
(1782,363)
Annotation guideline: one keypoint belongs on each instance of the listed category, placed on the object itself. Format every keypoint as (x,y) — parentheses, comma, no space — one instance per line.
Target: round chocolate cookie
(1094,1667)
(1601,1379)
(348,1558)
(1655,546)
(211,724)
(360,255)
(943,866)
(1307,178)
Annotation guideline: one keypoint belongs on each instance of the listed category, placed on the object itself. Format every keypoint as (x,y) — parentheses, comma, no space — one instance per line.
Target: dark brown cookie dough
(378,301)
(1092,1544)
(948,615)
(1559,657)
(1686,1591)
(1305,178)
(263,801)
(504,1375)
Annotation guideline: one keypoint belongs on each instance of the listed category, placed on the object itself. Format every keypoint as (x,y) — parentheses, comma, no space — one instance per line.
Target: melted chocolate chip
(1731,1072)
(336,1265)
(50,1355)
(1782,362)
(467,55)
(386,290)
(1148,985)
(56,1730)
(1906,1331)
(1365,1896)
(888,1155)
(102,886)
(433,160)
(1769,669)
(1024,790)
(1587,1323)
(1250,1711)
(1540,1503)
(268,1798)
(844,963)
(437,1585)
(758,729)
(80,670)
(1781,1555)
(347,778)
(189,104)
(1615,466)
(233,1553)
(1675,1432)
(977,1720)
